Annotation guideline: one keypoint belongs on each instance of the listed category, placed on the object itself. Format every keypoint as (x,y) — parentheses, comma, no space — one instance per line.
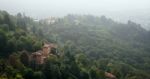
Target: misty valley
(72,47)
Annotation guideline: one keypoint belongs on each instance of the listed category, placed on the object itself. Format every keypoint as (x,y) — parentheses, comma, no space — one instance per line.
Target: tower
(46,49)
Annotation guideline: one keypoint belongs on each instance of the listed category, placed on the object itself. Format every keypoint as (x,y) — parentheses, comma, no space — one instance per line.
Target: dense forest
(87,48)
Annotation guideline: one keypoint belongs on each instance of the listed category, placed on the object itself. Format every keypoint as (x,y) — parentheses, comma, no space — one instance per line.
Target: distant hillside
(139,16)
(88,47)
(102,38)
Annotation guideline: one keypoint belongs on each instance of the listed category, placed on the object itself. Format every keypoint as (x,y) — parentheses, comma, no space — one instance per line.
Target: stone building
(40,56)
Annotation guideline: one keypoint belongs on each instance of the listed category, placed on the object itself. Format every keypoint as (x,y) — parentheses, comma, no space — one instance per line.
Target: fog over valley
(74,39)
(119,10)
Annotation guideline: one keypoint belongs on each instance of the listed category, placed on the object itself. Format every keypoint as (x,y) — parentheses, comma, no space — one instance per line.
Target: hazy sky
(45,8)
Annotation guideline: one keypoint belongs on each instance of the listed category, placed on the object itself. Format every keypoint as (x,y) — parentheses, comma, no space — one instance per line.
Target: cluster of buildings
(41,55)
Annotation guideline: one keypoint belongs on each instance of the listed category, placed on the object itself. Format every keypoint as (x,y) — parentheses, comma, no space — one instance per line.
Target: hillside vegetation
(88,46)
